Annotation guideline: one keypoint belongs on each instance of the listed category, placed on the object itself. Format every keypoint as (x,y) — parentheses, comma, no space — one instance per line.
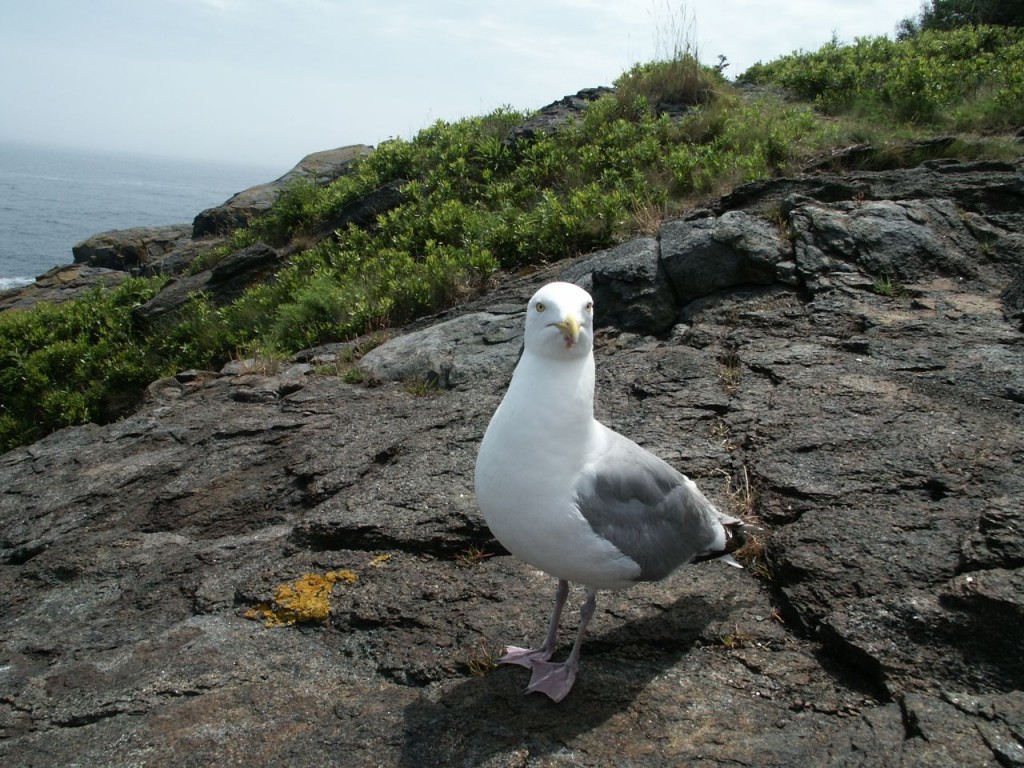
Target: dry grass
(472,556)
(742,499)
(741,494)
(258,360)
(721,434)
(647,219)
(730,370)
(483,658)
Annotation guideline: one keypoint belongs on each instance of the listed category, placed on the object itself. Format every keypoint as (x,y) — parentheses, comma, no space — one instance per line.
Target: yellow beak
(570,328)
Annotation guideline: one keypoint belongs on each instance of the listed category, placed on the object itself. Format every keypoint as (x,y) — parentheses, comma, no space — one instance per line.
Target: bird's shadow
(483,716)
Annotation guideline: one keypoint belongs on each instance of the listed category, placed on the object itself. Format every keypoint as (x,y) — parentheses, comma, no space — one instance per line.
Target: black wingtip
(735,536)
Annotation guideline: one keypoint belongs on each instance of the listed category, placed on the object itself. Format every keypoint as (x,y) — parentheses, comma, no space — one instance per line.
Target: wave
(7,283)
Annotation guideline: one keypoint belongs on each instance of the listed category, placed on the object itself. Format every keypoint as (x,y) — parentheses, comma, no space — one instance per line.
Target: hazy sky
(264,82)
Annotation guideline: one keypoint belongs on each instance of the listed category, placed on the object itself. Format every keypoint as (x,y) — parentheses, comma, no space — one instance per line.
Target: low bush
(74,362)
(971,78)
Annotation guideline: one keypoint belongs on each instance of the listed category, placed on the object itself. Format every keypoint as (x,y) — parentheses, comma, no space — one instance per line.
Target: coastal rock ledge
(838,358)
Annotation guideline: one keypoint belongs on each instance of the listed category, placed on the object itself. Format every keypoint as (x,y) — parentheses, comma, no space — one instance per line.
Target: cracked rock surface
(852,379)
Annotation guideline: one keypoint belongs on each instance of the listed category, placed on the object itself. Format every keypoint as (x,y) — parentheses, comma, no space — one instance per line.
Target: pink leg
(556,680)
(526,657)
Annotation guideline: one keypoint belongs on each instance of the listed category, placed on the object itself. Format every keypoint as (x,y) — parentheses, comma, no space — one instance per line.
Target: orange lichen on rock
(305,600)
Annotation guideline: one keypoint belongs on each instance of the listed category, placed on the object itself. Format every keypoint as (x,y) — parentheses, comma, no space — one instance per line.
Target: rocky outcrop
(222,283)
(320,168)
(552,118)
(60,284)
(852,379)
(128,249)
(363,211)
(145,251)
(229,278)
(108,257)
(452,353)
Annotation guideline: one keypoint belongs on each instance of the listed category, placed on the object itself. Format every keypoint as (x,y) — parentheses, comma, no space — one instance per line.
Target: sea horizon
(52,198)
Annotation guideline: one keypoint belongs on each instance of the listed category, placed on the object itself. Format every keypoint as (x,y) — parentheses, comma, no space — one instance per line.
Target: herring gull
(575,499)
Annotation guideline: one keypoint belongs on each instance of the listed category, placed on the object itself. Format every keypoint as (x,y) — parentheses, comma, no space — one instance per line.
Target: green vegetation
(884,285)
(474,202)
(966,79)
(74,362)
(944,15)
(483,658)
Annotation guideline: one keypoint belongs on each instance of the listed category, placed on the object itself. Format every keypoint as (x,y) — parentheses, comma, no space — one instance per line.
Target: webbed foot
(552,679)
(524,657)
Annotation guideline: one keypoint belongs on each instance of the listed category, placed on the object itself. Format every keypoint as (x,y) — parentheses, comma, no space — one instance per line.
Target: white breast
(525,490)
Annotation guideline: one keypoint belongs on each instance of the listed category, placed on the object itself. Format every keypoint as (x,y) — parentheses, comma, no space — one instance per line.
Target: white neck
(561,392)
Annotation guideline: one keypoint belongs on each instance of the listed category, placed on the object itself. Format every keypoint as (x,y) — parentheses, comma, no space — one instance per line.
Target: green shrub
(967,78)
(680,81)
(195,336)
(319,312)
(74,362)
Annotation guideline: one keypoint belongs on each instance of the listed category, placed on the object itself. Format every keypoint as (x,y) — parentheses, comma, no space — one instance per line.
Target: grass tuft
(472,556)
(730,370)
(483,658)
(884,285)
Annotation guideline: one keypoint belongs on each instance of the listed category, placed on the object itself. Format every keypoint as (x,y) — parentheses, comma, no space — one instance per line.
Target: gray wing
(647,509)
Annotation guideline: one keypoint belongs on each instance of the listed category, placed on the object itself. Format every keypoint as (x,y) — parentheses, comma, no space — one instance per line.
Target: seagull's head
(560,322)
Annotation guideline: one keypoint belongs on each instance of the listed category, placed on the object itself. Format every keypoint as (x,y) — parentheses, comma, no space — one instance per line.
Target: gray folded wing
(647,509)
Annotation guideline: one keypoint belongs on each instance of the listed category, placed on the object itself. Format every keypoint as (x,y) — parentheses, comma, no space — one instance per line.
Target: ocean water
(51,199)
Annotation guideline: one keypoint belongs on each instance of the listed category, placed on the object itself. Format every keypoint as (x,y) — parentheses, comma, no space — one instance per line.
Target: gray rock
(125,249)
(705,255)
(904,241)
(179,259)
(1013,299)
(451,354)
(60,284)
(363,211)
(629,287)
(222,283)
(997,192)
(319,167)
(552,118)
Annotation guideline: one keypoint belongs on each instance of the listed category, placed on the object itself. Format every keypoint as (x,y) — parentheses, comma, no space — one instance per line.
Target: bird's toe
(553,680)
(524,657)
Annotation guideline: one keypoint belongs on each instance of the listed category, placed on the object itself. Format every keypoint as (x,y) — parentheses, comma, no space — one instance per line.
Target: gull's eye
(540,306)
(589,307)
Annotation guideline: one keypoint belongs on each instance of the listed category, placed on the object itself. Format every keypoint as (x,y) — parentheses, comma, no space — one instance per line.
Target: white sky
(265,82)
